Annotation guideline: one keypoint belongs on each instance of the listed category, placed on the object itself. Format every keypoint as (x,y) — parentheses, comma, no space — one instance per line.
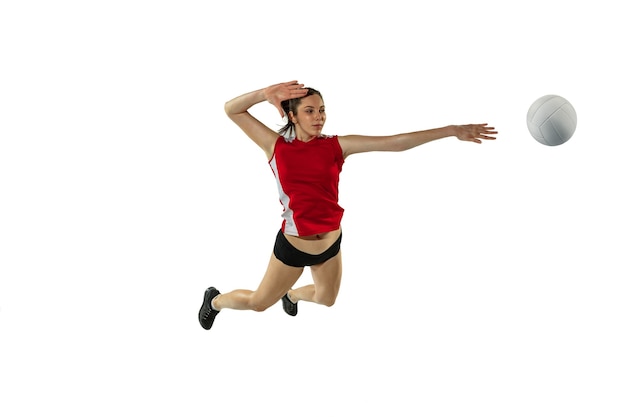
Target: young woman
(306,165)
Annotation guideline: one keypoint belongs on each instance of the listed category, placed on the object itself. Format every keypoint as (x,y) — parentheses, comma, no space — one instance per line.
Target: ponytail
(289,128)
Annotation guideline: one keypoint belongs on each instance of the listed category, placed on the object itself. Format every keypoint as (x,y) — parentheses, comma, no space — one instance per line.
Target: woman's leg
(326,283)
(276,282)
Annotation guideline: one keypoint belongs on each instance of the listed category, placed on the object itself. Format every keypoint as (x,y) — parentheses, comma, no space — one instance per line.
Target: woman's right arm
(237,111)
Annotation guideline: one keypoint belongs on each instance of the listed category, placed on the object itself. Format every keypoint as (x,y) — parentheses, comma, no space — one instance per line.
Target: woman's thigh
(327,279)
(278,279)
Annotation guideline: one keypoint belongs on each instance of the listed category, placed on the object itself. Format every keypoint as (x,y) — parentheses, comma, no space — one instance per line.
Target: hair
(292,105)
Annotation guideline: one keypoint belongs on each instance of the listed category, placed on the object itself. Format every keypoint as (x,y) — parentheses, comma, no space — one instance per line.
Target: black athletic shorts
(289,255)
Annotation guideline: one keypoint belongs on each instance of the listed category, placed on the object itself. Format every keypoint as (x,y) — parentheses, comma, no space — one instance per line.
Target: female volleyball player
(306,165)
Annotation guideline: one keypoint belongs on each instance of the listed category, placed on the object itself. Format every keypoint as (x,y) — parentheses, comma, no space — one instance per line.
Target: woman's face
(310,118)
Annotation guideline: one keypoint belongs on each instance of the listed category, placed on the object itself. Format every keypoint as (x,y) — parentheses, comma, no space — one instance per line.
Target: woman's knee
(325,297)
(260,304)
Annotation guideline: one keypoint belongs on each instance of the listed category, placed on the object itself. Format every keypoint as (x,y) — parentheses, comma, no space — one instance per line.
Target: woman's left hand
(474,133)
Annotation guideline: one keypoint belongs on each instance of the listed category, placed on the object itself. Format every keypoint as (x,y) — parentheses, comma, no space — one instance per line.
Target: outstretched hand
(277,93)
(474,133)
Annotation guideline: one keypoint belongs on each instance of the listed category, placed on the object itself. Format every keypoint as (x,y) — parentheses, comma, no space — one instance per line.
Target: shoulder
(329,138)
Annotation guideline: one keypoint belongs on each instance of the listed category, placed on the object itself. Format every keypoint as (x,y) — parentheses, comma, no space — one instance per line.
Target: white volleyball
(551,120)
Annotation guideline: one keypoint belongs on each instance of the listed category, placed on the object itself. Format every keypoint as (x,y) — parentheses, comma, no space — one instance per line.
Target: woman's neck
(304,137)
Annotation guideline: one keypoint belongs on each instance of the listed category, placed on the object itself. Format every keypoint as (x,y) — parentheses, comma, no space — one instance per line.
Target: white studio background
(478,280)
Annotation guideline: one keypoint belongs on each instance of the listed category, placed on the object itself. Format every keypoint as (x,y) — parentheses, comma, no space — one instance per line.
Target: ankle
(213,306)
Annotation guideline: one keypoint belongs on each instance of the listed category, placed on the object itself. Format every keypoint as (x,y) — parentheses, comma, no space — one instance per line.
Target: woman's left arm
(352,144)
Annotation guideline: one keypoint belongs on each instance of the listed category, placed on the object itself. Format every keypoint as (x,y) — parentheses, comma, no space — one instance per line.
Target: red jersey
(307,175)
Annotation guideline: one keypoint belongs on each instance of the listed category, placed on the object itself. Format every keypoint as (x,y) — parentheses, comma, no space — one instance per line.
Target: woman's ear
(292,117)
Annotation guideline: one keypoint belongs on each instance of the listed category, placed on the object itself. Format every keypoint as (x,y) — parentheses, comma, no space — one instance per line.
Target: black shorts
(289,255)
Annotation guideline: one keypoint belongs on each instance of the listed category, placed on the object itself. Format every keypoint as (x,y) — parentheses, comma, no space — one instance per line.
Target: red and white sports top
(307,175)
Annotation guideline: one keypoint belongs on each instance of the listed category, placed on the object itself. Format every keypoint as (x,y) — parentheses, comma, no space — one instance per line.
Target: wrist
(453,130)
(264,94)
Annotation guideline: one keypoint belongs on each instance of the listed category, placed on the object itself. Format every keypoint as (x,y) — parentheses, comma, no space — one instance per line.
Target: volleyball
(551,120)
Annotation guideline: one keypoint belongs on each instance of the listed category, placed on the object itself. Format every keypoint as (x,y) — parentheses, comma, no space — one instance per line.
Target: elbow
(228,108)
(398,144)
(231,110)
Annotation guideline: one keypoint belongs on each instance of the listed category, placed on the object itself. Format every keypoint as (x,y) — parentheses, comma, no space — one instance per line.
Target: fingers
(488,134)
(296,89)
(483,131)
(293,85)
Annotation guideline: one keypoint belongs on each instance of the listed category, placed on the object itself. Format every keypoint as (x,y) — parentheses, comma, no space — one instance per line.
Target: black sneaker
(207,314)
(289,307)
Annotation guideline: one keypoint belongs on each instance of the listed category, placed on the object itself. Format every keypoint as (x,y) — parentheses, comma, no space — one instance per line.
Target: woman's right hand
(277,93)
